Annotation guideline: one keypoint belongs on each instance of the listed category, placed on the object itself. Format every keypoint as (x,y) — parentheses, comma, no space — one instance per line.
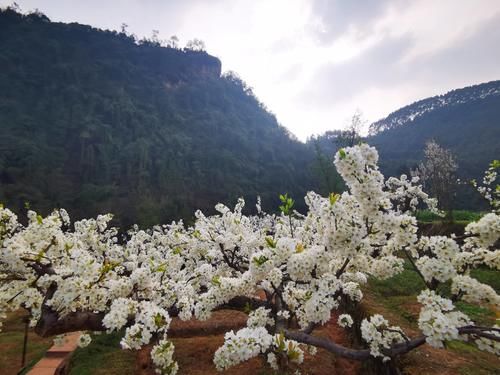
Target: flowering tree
(87,277)
(438,174)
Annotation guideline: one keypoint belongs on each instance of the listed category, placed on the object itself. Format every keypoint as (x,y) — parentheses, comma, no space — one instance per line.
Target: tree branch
(50,323)
(342,269)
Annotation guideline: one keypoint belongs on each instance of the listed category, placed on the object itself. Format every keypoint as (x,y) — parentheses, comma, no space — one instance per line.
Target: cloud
(336,17)
(405,62)
(473,59)
(378,65)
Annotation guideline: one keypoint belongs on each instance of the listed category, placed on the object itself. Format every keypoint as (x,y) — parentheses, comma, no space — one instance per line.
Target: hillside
(466,121)
(95,121)
(410,113)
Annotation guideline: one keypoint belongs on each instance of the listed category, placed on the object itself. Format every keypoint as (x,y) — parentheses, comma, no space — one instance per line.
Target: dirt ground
(11,344)
(195,354)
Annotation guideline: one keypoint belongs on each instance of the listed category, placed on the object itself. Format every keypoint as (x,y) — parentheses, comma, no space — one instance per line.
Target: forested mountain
(466,121)
(95,121)
(408,114)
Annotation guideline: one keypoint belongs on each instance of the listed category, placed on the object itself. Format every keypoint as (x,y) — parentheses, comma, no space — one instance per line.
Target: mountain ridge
(407,114)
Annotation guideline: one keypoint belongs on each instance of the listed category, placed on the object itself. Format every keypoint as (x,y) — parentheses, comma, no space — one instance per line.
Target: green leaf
(281,342)
(162,267)
(40,255)
(216,280)
(299,248)
(342,154)
(260,260)
(333,198)
(68,247)
(270,242)
(288,203)
(495,164)
(247,309)
(39,219)
(159,320)
(293,354)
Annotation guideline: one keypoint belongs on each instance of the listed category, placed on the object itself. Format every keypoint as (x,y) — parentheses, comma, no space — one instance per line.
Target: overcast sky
(315,62)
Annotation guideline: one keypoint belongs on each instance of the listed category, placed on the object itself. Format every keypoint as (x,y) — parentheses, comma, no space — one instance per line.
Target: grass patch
(103,356)
(480,315)
(397,292)
(396,298)
(406,283)
(482,363)
(487,276)
(11,345)
(464,216)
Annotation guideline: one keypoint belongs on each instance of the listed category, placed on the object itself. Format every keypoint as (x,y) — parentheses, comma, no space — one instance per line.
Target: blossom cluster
(162,355)
(379,335)
(438,320)
(491,194)
(241,346)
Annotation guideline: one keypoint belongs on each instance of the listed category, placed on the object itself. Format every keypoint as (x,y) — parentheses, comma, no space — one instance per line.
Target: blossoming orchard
(287,271)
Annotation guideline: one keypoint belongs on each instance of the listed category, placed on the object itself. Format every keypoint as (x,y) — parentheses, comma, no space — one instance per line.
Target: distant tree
(15,7)
(173,42)
(155,38)
(124,28)
(236,80)
(438,174)
(195,45)
(351,135)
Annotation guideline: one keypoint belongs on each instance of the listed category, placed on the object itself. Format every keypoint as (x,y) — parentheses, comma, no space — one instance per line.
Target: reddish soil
(195,354)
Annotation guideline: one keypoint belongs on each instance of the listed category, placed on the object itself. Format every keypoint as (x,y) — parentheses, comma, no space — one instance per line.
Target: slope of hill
(466,121)
(406,115)
(95,122)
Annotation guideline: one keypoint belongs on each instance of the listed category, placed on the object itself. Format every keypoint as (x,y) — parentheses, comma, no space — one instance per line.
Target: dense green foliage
(96,122)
